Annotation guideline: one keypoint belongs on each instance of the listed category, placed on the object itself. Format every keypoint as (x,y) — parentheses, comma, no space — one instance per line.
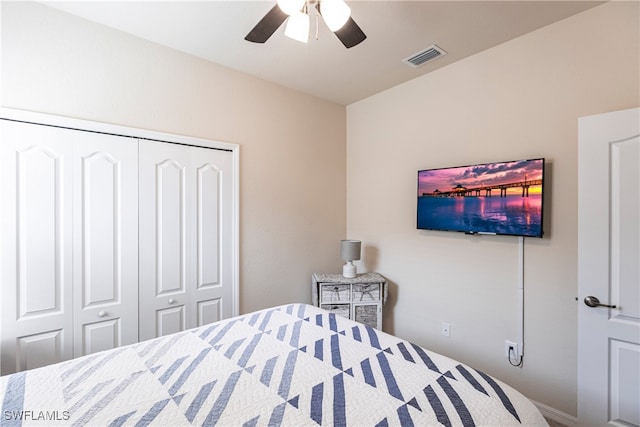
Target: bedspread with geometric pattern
(291,365)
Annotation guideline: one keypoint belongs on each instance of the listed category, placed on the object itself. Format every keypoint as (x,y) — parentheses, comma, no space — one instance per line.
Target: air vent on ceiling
(428,54)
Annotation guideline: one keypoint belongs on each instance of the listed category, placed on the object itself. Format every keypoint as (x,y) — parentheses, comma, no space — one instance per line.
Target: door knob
(102,314)
(592,301)
(171,301)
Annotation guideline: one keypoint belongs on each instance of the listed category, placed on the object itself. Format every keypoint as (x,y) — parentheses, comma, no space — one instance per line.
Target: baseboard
(556,415)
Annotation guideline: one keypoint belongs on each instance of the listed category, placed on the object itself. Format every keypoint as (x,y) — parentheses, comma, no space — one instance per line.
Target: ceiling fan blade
(267,25)
(350,34)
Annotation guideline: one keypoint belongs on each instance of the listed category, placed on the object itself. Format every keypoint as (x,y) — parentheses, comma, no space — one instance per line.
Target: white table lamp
(349,252)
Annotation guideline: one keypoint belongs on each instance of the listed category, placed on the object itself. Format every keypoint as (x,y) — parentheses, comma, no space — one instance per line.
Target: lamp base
(349,270)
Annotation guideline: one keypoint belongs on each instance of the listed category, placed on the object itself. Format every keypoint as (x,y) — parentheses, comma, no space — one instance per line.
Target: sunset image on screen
(500,198)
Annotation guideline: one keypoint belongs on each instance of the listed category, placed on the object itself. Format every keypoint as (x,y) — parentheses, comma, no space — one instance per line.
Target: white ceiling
(215,30)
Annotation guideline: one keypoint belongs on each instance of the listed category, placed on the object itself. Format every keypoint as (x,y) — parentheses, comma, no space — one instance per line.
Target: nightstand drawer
(366,292)
(335,293)
(339,309)
(368,313)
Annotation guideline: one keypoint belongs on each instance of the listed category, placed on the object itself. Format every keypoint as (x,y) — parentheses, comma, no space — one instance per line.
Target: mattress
(293,365)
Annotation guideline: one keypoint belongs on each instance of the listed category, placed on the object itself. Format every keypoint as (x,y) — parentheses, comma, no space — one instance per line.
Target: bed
(293,365)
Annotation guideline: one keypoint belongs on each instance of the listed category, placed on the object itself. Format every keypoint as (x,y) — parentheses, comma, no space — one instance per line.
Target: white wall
(292,181)
(518,100)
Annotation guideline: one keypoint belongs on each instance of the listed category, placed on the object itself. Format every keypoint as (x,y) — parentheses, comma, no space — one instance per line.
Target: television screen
(491,198)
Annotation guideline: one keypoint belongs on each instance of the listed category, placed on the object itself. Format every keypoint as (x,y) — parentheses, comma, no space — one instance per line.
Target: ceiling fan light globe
(335,13)
(290,7)
(298,27)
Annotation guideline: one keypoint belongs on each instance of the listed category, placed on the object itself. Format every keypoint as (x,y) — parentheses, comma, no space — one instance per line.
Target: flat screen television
(490,198)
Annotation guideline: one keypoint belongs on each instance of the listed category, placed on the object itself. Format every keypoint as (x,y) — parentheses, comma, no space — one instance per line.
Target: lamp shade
(298,27)
(350,249)
(335,13)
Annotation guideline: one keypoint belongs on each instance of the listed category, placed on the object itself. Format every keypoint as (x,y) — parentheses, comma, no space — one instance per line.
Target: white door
(212,295)
(186,237)
(36,246)
(105,242)
(609,269)
(164,231)
(69,245)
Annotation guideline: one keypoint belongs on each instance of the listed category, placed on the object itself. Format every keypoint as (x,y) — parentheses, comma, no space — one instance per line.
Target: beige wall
(292,180)
(518,100)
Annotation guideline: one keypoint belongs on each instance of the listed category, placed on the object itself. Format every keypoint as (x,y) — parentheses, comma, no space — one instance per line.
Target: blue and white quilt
(294,365)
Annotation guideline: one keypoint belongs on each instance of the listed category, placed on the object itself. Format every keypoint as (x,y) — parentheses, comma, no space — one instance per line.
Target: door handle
(592,301)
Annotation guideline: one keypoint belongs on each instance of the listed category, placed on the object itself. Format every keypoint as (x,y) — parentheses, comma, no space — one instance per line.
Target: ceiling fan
(335,13)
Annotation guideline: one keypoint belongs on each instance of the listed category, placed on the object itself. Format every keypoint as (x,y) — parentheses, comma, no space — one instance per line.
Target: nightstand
(359,298)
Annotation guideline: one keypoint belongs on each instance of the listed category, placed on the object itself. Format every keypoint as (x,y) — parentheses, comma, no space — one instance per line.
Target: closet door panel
(208,226)
(106,242)
(36,252)
(171,225)
(101,235)
(39,197)
(166,256)
(37,350)
(209,311)
(212,296)
(101,336)
(170,320)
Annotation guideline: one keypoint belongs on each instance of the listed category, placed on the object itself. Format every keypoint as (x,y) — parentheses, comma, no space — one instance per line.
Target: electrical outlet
(511,345)
(445,329)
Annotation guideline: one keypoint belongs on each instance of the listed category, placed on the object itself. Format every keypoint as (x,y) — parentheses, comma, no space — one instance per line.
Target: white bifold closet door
(105,247)
(69,243)
(186,237)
